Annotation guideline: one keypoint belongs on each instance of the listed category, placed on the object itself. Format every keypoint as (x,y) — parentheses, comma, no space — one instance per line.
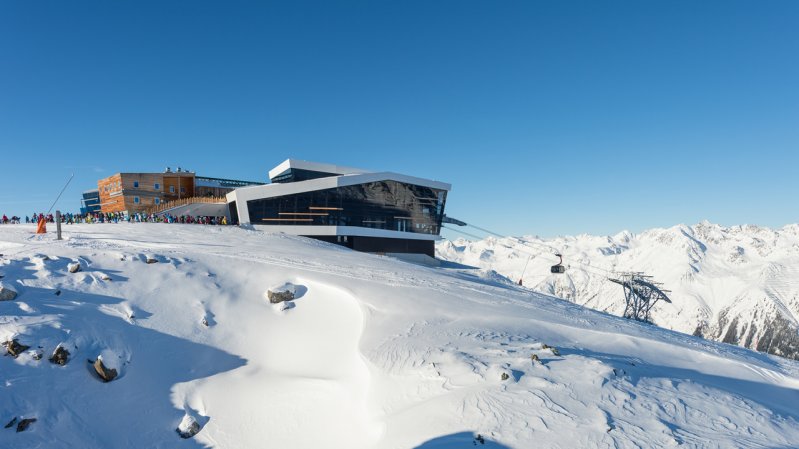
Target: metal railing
(183,202)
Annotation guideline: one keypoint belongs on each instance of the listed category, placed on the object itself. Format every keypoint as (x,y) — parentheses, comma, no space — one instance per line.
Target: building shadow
(456,266)
(461,440)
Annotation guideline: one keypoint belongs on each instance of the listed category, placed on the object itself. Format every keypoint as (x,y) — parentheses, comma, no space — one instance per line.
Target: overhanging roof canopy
(295,164)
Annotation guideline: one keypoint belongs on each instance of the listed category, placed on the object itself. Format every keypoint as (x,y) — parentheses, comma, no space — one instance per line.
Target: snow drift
(375,353)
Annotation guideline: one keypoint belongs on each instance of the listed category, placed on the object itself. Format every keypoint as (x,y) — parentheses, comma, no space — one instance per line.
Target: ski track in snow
(376,353)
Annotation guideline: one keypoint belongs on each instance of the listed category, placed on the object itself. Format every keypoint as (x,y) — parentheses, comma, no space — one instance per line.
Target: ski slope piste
(371,352)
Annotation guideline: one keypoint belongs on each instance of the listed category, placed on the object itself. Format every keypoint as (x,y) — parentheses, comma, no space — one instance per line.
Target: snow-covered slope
(374,353)
(737,284)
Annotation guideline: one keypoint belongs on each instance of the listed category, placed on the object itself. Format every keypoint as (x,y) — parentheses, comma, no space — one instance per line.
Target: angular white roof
(279,189)
(348,177)
(314,166)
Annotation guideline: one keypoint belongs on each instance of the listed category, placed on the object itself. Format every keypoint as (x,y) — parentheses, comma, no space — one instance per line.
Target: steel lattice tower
(640,295)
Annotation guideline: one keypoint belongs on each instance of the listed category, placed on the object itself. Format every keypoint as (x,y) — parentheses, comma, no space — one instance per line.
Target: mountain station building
(379,212)
(139,192)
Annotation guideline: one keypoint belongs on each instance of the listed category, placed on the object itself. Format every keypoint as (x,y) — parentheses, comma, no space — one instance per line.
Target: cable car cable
(529,243)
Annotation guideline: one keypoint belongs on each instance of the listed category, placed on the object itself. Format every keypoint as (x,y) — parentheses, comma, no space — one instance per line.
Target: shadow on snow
(72,406)
(461,440)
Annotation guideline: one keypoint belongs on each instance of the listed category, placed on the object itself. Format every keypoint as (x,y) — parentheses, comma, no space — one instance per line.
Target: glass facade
(389,205)
(90,203)
(234,213)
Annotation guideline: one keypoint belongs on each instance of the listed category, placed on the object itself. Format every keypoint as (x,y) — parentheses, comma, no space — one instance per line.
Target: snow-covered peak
(734,284)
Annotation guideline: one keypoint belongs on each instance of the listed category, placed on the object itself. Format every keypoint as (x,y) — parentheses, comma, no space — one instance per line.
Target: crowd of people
(118,217)
(13,220)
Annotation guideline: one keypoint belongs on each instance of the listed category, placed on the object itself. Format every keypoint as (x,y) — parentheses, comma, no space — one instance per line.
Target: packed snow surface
(375,353)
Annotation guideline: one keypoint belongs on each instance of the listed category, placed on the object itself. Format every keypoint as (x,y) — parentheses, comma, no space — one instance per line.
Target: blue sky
(548,118)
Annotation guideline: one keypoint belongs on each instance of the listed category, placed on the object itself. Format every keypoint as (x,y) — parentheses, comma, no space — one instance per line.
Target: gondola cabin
(559,268)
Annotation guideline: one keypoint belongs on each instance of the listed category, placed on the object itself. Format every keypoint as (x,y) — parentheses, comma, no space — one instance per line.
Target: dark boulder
(188,427)
(24,423)
(106,374)
(7,293)
(552,349)
(285,292)
(15,348)
(60,356)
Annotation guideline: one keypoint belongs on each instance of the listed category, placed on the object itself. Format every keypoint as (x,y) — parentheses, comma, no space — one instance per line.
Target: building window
(136,184)
(157,186)
(158,201)
(171,189)
(182,190)
(389,205)
(136,200)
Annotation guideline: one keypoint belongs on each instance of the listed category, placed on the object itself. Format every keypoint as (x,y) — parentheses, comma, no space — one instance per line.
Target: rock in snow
(60,356)
(73,267)
(24,423)
(283,306)
(15,348)
(105,373)
(280,293)
(150,259)
(7,293)
(188,427)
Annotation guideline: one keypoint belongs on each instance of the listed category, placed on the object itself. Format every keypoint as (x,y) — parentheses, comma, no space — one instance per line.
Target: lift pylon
(641,293)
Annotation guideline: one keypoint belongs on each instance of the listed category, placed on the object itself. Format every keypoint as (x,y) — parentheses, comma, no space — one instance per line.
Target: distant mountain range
(739,284)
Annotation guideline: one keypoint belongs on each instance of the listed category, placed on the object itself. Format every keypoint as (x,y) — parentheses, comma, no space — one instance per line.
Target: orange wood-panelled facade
(136,192)
(178,185)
